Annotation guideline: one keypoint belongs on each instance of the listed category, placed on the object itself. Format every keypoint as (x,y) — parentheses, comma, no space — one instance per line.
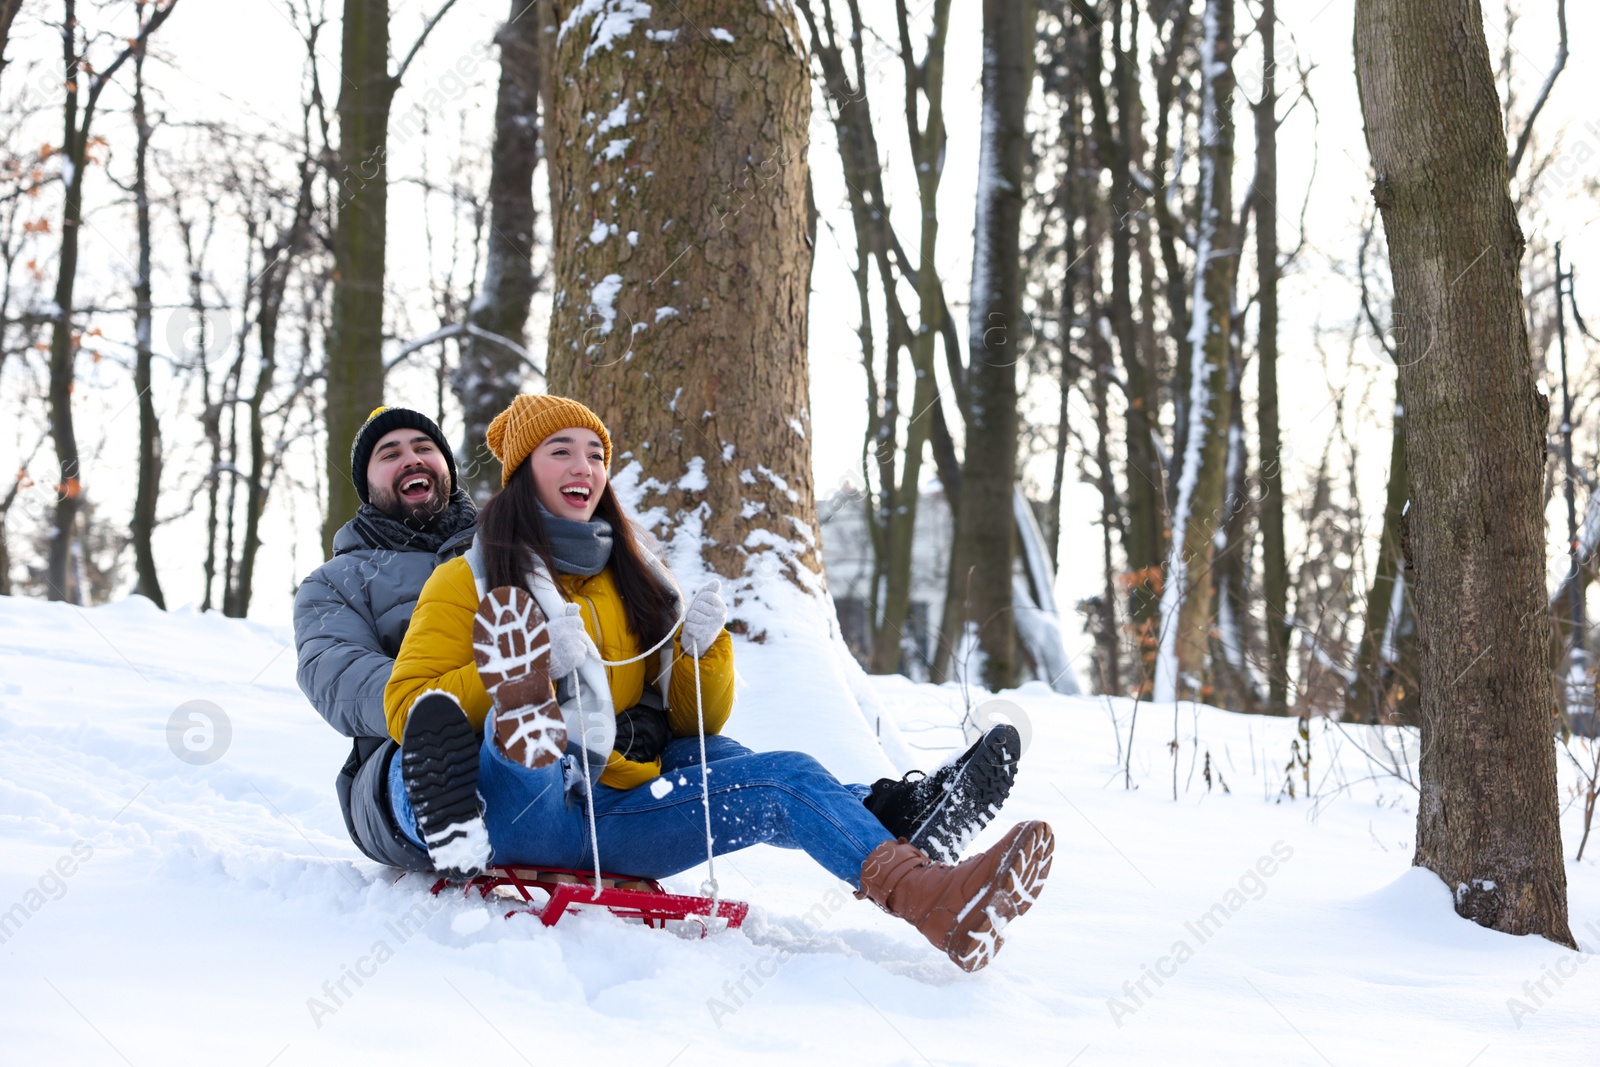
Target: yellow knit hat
(520,428)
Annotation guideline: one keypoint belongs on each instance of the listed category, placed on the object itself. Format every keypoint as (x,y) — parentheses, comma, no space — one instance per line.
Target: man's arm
(342,668)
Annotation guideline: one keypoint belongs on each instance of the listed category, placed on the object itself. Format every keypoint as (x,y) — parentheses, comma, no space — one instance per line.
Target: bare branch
(427,28)
(1544,92)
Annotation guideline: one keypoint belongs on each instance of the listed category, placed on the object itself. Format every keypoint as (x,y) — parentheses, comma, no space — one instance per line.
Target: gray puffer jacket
(350,616)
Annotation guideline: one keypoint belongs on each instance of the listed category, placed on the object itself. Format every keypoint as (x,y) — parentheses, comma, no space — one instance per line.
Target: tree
(1201,456)
(1274,560)
(492,357)
(677,155)
(984,522)
(149,486)
(355,331)
(79,103)
(1487,822)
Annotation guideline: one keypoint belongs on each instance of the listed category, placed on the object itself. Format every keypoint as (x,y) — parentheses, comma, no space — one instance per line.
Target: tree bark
(491,374)
(148,583)
(1487,822)
(995,330)
(1274,558)
(355,329)
(1202,462)
(678,197)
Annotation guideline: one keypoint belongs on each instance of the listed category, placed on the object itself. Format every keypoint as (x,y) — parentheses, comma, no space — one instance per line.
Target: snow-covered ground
(176,911)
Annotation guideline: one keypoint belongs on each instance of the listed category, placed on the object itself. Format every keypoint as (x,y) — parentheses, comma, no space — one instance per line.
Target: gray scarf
(577,547)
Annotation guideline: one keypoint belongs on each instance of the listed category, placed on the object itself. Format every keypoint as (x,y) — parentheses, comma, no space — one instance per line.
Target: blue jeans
(785,799)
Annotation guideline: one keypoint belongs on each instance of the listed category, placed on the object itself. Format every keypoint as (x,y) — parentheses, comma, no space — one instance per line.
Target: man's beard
(419,515)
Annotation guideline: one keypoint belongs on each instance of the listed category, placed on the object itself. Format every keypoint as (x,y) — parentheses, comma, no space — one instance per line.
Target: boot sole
(512,650)
(439,766)
(973,799)
(1014,889)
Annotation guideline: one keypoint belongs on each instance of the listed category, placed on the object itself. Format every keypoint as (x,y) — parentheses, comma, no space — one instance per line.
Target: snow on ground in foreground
(216,901)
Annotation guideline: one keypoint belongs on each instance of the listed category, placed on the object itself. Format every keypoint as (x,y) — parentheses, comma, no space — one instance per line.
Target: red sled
(629,898)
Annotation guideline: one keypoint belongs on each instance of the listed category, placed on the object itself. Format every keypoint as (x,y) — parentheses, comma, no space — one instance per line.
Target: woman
(555,584)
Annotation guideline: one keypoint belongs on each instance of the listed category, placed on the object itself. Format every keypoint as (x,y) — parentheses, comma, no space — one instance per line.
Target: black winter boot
(439,765)
(942,812)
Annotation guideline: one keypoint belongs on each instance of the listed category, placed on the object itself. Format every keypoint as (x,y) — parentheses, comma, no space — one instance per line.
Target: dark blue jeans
(785,799)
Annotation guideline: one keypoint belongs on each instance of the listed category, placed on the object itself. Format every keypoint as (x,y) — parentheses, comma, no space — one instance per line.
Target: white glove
(704,620)
(570,643)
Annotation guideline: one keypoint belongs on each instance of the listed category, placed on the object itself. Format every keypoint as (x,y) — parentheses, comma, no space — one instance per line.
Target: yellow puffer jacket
(437,654)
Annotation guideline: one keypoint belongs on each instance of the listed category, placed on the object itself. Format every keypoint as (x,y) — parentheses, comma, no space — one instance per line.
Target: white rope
(705,787)
(588,785)
(709,887)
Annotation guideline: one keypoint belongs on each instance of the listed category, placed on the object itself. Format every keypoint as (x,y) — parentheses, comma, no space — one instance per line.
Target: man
(351,613)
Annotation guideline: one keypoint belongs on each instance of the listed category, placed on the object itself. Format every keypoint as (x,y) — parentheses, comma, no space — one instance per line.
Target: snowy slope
(212,910)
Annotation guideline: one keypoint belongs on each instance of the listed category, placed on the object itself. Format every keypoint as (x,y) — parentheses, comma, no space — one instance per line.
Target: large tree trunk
(491,373)
(1203,456)
(1487,822)
(355,330)
(984,523)
(149,483)
(678,198)
(1274,559)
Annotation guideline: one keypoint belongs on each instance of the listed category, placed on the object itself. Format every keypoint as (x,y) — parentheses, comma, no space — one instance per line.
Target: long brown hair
(510,527)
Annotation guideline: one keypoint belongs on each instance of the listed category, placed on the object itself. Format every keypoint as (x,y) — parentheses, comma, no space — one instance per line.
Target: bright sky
(241,61)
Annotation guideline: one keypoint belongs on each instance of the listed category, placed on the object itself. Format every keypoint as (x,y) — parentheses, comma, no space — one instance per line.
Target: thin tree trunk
(280,257)
(1487,821)
(149,485)
(690,344)
(984,522)
(355,330)
(1118,145)
(1274,558)
(490,374)
(1367,697)
(1202,460)
(63,343)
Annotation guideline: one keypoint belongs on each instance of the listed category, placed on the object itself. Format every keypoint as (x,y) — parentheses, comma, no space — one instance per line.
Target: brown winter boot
(961,908)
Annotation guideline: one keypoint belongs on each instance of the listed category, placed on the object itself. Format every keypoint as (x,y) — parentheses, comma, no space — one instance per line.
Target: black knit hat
(385,420)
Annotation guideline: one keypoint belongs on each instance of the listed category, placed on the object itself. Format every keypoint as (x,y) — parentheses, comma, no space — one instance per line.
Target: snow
(164,911)
(721,34)
(603,299)
(695,481)
(613,19)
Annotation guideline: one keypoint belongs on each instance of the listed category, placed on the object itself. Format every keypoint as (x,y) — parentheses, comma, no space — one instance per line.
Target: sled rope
(709,887)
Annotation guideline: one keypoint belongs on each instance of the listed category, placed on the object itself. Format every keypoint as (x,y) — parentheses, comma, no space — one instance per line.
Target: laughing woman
(538,723)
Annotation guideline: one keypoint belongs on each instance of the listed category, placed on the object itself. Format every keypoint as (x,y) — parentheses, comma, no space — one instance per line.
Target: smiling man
(352,612)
